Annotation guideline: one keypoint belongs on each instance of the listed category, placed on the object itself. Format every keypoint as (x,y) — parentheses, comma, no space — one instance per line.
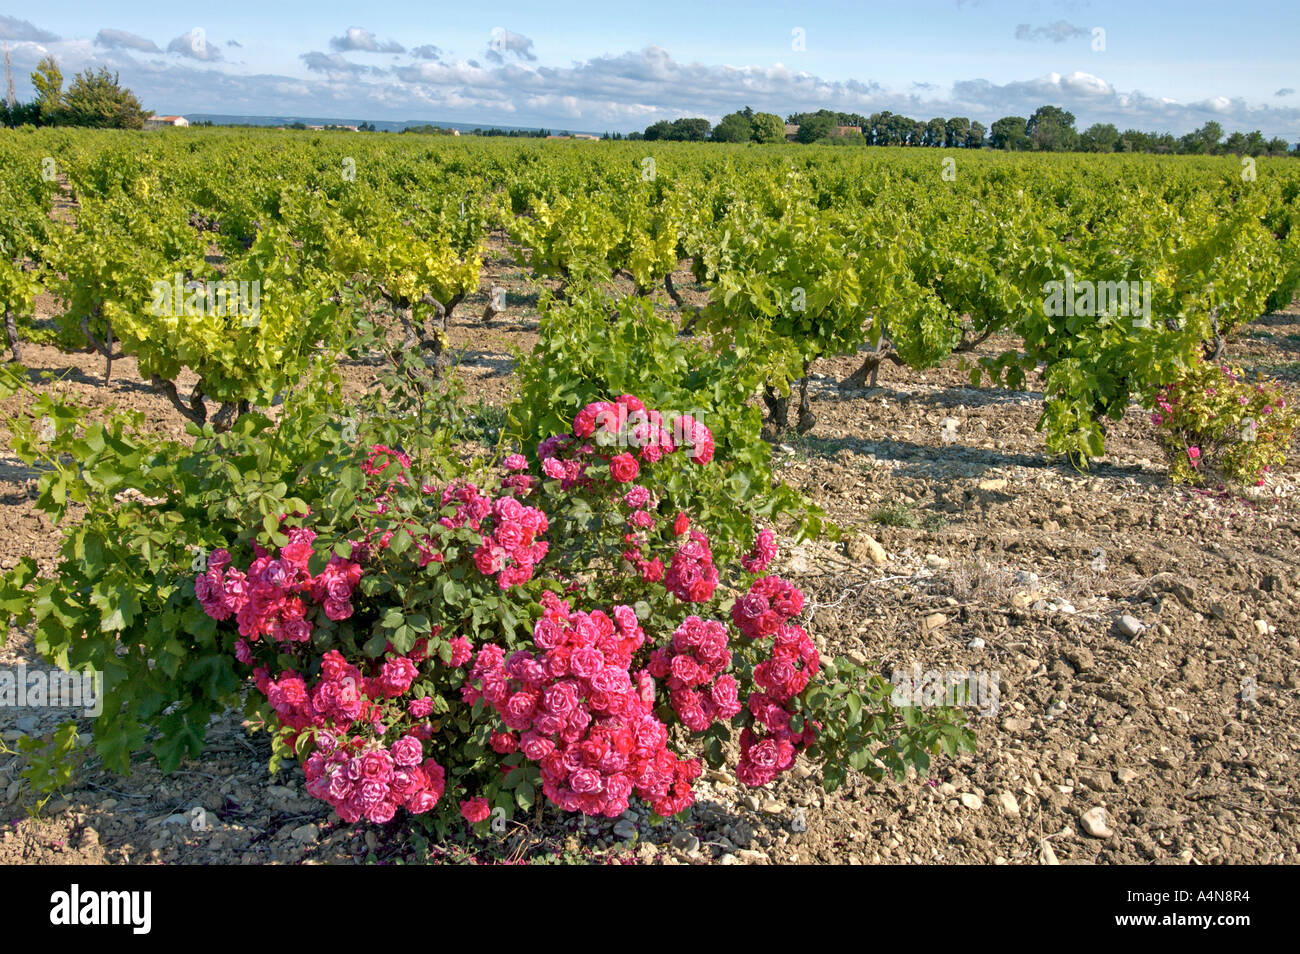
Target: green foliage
(96,98)
(593,350)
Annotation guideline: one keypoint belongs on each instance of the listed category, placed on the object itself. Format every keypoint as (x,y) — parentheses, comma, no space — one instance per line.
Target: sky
(1157,66)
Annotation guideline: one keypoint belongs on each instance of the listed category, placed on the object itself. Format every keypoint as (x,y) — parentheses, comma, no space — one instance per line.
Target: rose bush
(1216,424)
(624,665)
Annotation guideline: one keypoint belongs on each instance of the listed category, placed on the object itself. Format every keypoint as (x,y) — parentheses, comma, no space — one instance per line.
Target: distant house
(847,131)
(162,122)
(791,131)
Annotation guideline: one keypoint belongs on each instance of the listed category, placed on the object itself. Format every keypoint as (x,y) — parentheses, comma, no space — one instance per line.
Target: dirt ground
(995,558)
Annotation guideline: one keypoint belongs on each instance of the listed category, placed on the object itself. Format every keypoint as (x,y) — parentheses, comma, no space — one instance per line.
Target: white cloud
(11,28)
(195,46)
(503,42)
(359,40)
(122,40)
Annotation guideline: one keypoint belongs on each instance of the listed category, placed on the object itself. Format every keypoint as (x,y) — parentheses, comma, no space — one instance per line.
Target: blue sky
(1160,66)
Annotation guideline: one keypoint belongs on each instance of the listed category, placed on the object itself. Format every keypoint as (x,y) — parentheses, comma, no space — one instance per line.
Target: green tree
(1051,129)
(975,138)
(1099,137)
(955,132)
(768,127)
(816,127)
(735,127)
(48,83)
(1009,133)
(96,98)
(936,130)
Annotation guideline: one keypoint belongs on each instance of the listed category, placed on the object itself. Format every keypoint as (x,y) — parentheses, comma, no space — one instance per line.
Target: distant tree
(1210,134)
(635,136)
(768,127)
(975,139)
(1277,146)
(816,127)
(691,130)
(735,127)
(659,130)
(96,98)
(48,83)
(1099,137)
(1135,140)
(955,132)
(1009,133)
(1051,129)
(936,131)
(1236,144)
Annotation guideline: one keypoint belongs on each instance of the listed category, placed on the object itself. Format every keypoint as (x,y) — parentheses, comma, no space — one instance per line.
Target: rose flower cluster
(577,711)
(693,665)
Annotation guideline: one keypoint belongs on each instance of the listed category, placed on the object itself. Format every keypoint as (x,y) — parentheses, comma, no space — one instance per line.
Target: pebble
(1126,775)
(972,801)
(625,829)
(976,643)
(1130,626)
(1094,823)
(1008,803)
(935,621)
(865,547)
(936,562)
(1046,855)
(685,841)
(305,834)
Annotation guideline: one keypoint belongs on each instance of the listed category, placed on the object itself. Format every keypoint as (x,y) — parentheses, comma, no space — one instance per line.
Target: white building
(161,122)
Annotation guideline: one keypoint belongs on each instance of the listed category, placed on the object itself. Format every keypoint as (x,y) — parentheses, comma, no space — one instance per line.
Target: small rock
(999,483)
(305,834)
(936,562)
(685,841)
(625,829)
(864,548)
(1051,526)
(1046,855)
(1008,803)
(728,859)
(1094,823)
(177,819)
(752,857)
(934,621)
(1125,775)
(1130,626)
(972,801)
(976,643)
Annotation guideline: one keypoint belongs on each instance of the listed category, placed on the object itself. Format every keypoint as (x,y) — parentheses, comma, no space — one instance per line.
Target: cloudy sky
(1160,65)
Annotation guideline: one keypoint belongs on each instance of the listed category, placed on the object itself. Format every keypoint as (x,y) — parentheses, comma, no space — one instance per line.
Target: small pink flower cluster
(782,676)
(691,576)
(359,778)
(580,715)
(764,552)
(510,550)
(373,782)
(622,423)
(769,604)
(697,656)
(267,600)
(639,522)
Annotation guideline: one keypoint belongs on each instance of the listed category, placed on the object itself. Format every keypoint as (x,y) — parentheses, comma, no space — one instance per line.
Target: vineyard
(591,499)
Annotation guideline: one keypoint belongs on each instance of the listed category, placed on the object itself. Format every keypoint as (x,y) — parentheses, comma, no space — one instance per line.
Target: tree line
(1048,129)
